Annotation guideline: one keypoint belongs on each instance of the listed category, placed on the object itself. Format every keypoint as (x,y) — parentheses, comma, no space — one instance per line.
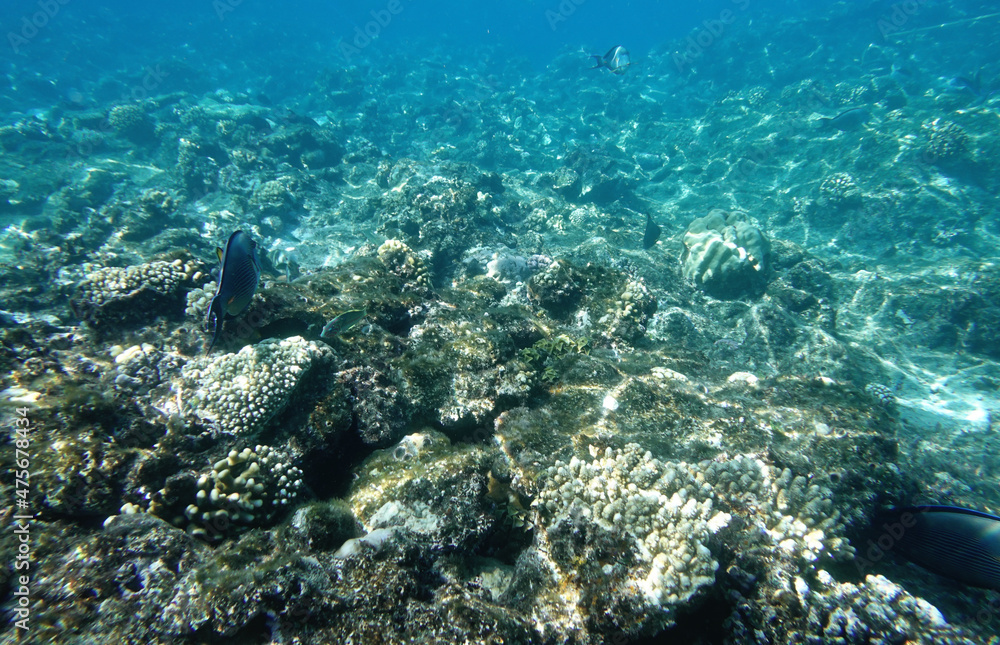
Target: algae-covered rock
(461,375)
(381,411)
(557,288)
(434,492)
(441,216)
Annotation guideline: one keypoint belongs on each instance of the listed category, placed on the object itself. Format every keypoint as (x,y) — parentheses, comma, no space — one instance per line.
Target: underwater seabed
(533,429)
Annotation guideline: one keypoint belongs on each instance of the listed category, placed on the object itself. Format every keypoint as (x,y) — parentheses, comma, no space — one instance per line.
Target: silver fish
(617,60)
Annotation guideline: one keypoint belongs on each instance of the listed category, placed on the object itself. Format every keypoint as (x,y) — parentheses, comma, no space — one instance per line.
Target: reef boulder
(726,255)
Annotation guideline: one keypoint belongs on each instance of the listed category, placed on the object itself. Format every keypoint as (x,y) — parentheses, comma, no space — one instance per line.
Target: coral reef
(402,261)
(947,142)
(441,216)
(141,368)
(273,198)
(198,300)
(661,506)
(632,312)
(381,411)
(131,120)
(801,518)
(840,190)
(541,431)
(395,494)
(725,255)
(247,488)
(825,611)
(668,511)
(506,266)
(239,393)
(556,288)
(461,376)
(115,297)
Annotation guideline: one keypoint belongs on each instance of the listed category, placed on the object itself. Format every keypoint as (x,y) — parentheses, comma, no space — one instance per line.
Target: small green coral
(401,260)
(840,190)
(545,353)
(947,142)
(132,122)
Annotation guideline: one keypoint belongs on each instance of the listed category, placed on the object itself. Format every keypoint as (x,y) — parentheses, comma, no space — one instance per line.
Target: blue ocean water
(231,34)
(662,348)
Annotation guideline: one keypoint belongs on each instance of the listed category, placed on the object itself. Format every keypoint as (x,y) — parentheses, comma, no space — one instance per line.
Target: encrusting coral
(241,392)
(121,295)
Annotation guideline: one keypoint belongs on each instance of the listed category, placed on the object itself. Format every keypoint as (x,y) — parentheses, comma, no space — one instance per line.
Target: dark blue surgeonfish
(617,60)
(974,85)
(238,278)
(958,543)
(651,234)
